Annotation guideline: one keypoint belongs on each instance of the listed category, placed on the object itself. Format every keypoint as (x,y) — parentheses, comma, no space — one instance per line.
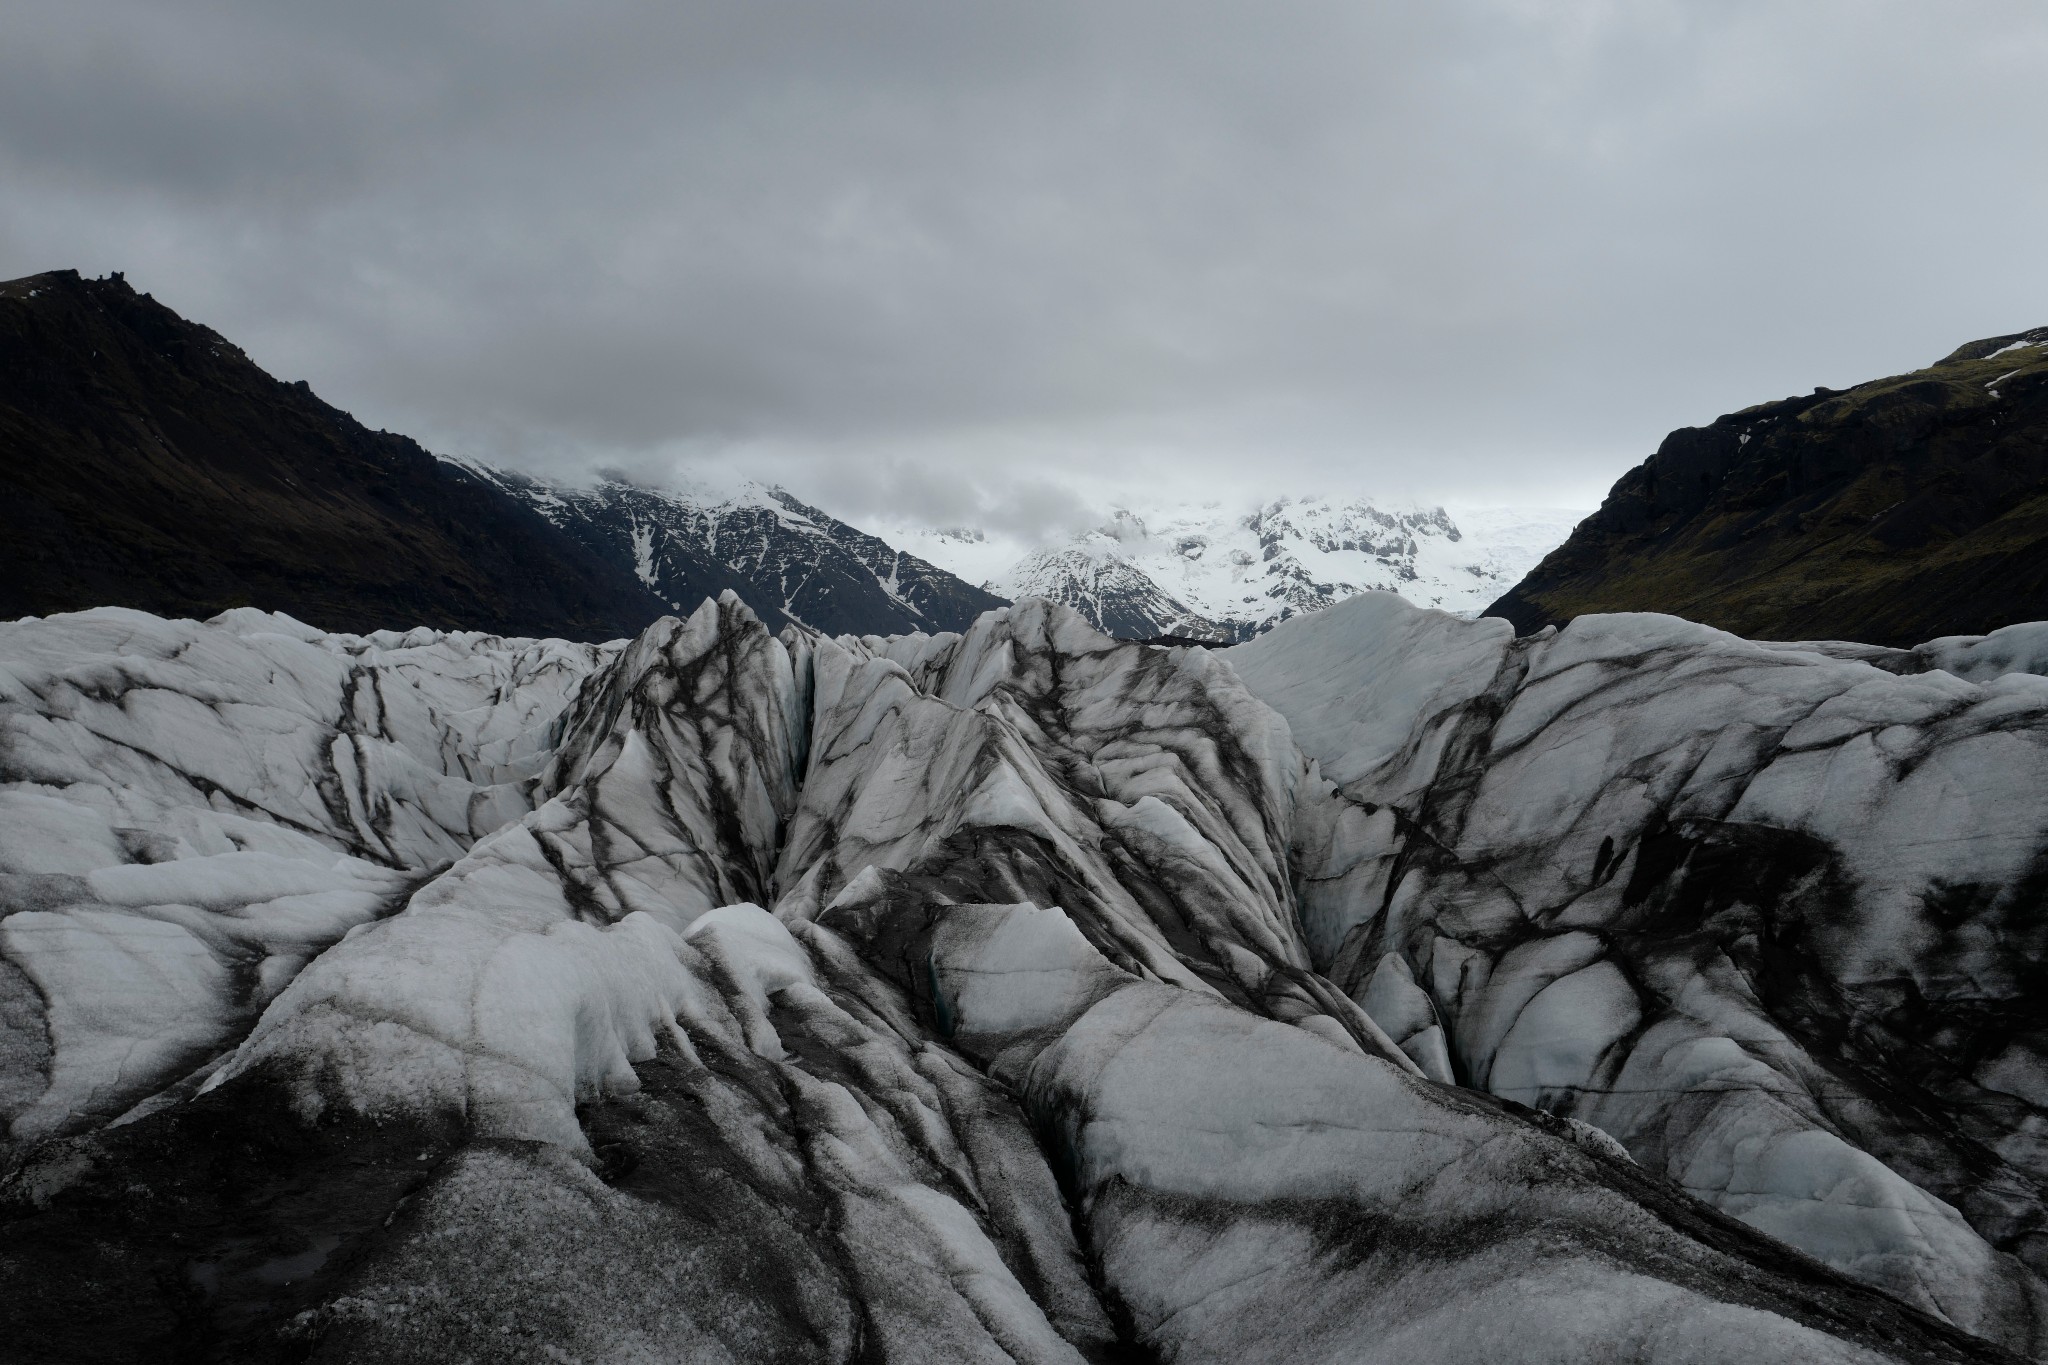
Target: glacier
(1386,988)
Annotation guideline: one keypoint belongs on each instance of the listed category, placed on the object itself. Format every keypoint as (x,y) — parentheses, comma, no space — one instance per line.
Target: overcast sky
(976,262)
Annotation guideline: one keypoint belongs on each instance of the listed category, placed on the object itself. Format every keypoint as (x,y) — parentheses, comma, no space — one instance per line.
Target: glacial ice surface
(1768,915)
(1387,989)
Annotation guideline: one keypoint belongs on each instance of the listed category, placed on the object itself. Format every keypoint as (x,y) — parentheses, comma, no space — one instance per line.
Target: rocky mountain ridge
(790,562)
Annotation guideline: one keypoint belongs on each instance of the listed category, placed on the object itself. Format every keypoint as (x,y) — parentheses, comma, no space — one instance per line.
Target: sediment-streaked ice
(1385,990)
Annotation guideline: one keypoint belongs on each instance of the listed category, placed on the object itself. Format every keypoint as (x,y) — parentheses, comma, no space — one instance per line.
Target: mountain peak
(1217,571)
(791,562)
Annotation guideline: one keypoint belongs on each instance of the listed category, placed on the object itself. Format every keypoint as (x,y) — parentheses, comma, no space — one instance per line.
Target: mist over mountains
(1217,571)
(150,464)
(805,946)
(914,683)
(147,462)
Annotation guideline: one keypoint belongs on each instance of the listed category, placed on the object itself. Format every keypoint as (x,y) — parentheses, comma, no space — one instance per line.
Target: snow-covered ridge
(1226,573)
(1022,994)
(792,563)
(1211,571)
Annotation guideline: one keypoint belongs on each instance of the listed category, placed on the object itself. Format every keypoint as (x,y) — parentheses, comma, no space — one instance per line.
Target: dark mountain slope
(787,560)
(1893,512)
(936,599)
(145,461)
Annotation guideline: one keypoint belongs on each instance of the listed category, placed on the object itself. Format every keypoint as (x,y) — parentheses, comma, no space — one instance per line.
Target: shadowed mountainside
(788,561)
(145,461)
(1892,512)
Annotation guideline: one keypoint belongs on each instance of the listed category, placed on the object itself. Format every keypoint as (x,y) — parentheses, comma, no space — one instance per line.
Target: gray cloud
(956,260)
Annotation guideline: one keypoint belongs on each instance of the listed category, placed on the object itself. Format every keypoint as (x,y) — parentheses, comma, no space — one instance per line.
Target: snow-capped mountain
(146,461)
(1216,572)
(1115,595)
(1386,988)
(787,560)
